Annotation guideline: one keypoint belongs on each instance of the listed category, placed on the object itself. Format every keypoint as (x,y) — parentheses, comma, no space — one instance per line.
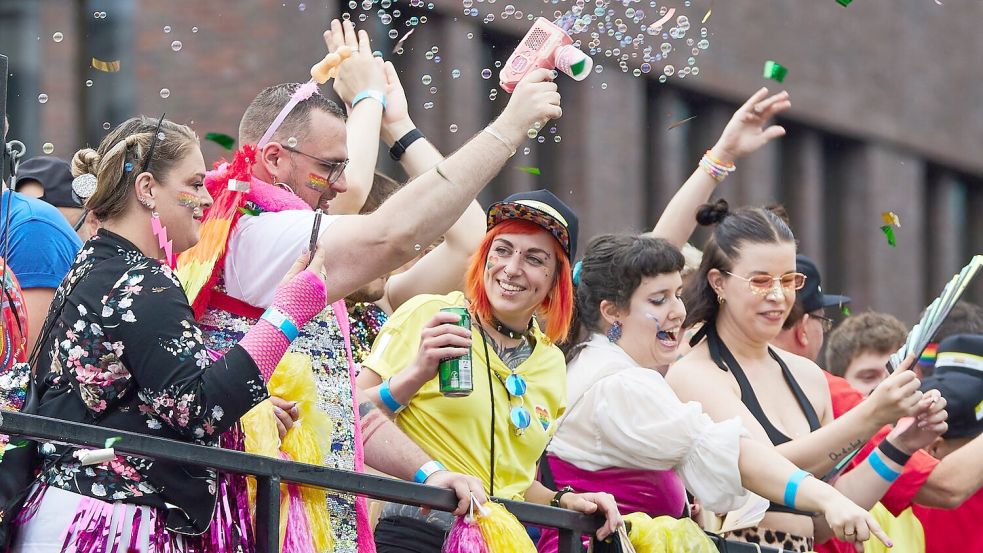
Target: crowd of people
(644,379)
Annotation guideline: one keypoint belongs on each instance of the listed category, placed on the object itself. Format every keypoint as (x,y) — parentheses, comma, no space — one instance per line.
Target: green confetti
(845,310)
(111,441)
(16,445)
(844,2)
(775,71)
(222,140)
(888,231)
(530,170)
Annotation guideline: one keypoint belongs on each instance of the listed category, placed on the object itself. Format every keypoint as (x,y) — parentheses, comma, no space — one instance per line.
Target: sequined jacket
(125,352)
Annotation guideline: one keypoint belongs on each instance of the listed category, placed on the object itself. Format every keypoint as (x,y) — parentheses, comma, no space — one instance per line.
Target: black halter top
(725,360)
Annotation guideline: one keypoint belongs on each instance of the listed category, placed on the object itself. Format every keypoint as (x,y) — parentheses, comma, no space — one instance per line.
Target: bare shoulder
(696,375)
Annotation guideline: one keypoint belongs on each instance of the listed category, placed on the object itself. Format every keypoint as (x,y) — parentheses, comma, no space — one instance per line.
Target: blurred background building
(886,107)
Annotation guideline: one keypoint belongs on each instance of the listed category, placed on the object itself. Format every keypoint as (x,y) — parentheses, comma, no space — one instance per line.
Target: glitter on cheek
(317,182)
(189,200)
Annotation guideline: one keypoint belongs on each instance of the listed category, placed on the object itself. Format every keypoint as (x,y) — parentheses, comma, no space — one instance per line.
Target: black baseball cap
(55,176)
(959,377)
(811,295)
(542,208)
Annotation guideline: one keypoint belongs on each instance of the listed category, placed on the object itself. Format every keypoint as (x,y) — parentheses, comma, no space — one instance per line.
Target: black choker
(514,334)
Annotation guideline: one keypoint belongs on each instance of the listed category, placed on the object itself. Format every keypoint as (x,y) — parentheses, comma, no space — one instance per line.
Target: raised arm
(744,134)
(362,72)
(421,155)
(361,248)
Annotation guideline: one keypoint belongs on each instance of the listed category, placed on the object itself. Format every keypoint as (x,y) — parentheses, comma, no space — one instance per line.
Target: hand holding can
(442,338)
(455,372)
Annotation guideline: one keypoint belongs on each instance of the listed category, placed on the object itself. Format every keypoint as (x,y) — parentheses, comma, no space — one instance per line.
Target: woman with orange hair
(498,432)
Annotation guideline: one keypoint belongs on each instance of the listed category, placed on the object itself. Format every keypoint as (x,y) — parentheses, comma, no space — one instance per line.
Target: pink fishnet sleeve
(300,299)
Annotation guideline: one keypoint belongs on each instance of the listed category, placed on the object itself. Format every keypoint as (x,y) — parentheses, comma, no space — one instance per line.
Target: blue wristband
(426,470)
(283,323)
(386,395)
(369,93)
(792,487)
(881,468)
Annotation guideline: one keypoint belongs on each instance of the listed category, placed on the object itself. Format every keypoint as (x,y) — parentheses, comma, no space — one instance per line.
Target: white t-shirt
(262,249)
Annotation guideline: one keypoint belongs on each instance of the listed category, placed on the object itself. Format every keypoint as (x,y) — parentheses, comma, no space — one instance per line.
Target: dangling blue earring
(614,333)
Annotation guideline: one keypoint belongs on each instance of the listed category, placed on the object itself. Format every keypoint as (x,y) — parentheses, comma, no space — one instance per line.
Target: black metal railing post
(267,514)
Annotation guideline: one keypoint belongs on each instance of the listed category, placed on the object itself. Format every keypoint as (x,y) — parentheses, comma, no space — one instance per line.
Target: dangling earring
(614,333)
(160,231)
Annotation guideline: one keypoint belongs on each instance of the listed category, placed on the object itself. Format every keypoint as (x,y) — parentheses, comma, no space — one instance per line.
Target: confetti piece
(110,442)
(891,218)
(15,445)
(106,66)
(888,231)
(775,71)
(530,170)
(399,43)
(845,310)
(222,140)
(847,2)
(709,11)
(680,123)
(666,17)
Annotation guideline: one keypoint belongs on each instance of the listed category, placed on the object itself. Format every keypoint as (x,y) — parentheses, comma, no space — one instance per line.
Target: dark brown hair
(731,231)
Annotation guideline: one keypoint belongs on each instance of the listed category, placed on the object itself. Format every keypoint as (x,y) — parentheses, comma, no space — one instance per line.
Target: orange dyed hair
(558,305)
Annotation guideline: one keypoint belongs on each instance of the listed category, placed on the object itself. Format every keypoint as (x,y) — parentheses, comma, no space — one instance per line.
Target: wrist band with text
(792,486)
(427,470)
(386,395)
(283,323)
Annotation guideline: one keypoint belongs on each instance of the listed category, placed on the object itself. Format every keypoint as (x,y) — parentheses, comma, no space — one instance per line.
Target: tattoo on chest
(513,356)
(835,456)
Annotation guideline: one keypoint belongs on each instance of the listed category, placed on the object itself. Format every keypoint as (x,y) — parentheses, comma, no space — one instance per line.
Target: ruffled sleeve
(640,423)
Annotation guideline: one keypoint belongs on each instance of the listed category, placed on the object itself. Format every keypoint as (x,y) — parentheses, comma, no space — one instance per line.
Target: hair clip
(578,268)
(127,167)
(84,186)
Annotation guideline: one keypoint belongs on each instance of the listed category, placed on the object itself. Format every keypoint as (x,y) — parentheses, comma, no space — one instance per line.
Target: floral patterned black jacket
(125,352)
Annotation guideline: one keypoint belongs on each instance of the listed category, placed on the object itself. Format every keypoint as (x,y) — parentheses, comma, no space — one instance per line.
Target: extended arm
(956,478)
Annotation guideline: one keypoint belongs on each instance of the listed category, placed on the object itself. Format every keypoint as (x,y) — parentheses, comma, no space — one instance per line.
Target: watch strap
(400,146)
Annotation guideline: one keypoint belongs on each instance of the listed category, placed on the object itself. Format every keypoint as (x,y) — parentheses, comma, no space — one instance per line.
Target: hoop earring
(160,231)
(284,186)
(614,333)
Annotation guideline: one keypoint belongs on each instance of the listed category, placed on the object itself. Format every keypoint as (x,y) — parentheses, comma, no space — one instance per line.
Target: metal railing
(270,473)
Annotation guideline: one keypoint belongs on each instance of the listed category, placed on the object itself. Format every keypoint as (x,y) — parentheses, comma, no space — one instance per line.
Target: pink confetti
(666,17)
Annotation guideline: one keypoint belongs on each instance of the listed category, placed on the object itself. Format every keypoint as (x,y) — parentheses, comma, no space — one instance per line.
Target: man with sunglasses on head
(300,166)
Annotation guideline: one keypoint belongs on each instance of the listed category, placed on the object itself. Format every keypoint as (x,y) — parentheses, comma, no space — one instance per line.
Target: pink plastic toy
(545,45)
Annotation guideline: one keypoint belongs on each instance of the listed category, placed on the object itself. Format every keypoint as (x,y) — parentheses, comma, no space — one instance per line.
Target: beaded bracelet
(717,169)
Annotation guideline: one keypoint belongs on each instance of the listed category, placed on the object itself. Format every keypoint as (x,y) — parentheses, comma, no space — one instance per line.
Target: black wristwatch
(400,146)
(555,502)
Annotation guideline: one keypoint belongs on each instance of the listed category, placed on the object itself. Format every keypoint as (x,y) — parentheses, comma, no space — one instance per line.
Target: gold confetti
(106,66)
(891,218)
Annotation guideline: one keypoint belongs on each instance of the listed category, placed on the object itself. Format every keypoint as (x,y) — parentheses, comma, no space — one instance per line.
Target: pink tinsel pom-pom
(465,537)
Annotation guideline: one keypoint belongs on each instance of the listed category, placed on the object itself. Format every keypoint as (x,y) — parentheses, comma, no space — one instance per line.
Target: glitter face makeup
(189,200)
(318,183)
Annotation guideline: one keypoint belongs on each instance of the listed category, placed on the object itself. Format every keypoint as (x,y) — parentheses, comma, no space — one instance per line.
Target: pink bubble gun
(545,45)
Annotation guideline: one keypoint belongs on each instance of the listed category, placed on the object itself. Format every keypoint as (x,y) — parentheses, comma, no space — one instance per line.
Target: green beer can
(455,373)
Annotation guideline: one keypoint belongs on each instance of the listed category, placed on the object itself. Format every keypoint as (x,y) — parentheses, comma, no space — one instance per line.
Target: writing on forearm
(835,456)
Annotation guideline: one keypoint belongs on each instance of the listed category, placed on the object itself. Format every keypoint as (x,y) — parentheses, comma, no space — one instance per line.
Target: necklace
(513,334)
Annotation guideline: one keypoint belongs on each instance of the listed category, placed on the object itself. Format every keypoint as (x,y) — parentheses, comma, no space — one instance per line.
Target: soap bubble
(106,125)
(176,45)
(58,37)
(486,73)
(88,82)
(556,139)
(526,150)
(194,29)
(393,33)
(301,6)
(428,105)
(531,133)
(161,135)
(456,73)
(48,148)
(43,98)
(417,247)
(426,79)
(453,128)
(292,142)
(165,92)
(167,28)
(669,70)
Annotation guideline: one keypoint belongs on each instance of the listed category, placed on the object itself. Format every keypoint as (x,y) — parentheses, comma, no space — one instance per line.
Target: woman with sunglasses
(120,349)
(742,293)
(626,433)
(498,432)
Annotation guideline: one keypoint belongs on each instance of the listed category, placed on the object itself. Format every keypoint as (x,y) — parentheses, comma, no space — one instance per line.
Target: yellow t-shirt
(455,430)
(905,531)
